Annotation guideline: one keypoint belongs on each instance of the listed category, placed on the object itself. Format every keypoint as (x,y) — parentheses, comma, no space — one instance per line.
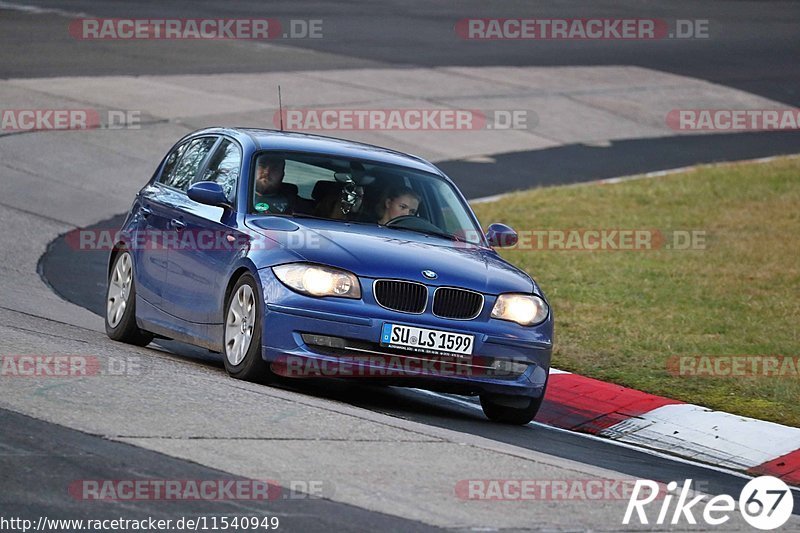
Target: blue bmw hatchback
(304,256)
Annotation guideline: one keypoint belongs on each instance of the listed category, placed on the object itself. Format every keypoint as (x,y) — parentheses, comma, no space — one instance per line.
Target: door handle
(178,224)
(145,211)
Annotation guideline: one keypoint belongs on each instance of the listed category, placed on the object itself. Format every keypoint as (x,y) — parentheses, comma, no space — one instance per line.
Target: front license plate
(428,341)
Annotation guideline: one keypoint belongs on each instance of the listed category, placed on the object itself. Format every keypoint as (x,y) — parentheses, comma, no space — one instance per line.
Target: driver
(270,196)
(398,202)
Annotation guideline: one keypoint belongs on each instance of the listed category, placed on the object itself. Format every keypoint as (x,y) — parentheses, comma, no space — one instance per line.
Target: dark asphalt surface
(39,462)
(575,163)
(754,46)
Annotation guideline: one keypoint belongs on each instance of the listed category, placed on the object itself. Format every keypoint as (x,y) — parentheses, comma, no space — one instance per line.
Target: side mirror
(209,193)
(501,236)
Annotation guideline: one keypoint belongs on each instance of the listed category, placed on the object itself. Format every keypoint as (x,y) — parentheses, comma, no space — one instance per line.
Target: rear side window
(183,164)
(224,167)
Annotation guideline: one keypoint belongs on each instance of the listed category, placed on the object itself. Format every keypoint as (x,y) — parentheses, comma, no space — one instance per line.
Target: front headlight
(316,280)
(524,309)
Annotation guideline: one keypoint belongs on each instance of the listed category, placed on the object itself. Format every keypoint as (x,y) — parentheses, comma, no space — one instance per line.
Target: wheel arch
(238,272)
(112,256)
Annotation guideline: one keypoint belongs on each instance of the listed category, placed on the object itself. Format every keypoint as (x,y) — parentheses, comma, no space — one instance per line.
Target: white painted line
(710,436)
(492,198)
(480,159)
(35,10)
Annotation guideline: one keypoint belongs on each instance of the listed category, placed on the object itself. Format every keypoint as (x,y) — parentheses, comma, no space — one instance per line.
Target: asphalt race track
(753,49)
(387,459)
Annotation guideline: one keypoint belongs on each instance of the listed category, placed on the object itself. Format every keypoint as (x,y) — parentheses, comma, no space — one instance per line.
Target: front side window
(181,171)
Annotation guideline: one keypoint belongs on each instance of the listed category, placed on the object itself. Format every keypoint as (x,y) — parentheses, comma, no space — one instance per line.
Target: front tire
(242,332)
(121,303)
(516,410)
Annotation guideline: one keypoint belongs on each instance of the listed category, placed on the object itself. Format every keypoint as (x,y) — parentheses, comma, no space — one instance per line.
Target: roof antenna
(280,106)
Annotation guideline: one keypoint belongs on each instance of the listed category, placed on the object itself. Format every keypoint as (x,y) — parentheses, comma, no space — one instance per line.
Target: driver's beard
(263,188)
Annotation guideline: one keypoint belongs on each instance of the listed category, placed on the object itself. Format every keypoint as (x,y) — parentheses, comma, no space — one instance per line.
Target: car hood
(373,251)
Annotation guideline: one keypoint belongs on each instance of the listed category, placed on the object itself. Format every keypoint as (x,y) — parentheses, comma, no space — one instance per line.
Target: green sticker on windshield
(261,207)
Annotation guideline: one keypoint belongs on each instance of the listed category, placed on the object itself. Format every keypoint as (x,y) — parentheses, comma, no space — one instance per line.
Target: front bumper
(291,321)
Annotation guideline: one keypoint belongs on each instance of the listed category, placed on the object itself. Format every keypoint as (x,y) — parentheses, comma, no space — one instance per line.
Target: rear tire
(507,409)
(121,303)
(242,332)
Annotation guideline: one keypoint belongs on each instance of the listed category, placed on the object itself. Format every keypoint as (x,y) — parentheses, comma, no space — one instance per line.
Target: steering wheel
(412,222)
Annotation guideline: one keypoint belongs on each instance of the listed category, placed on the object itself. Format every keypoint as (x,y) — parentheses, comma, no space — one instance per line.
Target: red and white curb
(587,405)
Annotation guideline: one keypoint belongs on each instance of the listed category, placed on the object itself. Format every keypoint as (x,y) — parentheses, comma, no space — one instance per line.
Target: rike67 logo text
(765,503)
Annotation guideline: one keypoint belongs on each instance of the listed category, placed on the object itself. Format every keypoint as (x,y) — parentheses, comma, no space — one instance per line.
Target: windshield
(335,188)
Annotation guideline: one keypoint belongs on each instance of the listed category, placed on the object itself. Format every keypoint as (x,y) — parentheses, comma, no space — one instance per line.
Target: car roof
(290,141)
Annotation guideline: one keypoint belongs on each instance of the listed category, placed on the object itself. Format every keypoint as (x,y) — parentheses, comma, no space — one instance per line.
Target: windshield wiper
(435,233)
(315,217)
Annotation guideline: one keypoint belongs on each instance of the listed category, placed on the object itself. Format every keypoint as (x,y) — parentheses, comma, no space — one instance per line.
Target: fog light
(506,367)
(324,340)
